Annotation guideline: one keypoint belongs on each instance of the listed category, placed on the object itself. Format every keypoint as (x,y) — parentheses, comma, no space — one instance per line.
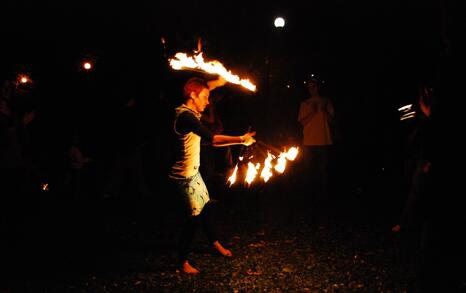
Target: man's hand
(216,83)
(248,139)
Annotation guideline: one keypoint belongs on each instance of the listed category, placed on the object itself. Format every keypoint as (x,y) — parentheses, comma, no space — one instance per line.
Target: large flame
(182,61)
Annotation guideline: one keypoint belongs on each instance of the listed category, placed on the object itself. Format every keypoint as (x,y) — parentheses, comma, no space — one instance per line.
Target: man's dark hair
(194,84)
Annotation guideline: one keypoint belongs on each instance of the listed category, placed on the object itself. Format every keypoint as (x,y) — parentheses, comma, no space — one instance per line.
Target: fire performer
(184,171)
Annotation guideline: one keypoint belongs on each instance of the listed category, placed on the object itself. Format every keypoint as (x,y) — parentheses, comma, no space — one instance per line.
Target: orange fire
(183,61)
(271,163)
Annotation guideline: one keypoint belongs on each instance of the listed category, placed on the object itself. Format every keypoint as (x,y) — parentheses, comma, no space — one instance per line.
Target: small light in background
(87,65)
(407,112)
(279,22)
(23,83)
(45,187)
(23,78)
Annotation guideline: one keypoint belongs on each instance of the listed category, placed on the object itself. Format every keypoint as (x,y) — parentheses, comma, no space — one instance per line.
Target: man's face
(313,87)
(201,100)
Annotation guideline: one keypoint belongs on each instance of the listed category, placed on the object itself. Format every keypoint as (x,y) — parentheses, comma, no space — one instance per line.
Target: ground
(281,243)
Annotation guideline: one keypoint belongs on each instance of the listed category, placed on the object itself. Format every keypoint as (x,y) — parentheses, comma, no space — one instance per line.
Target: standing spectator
(316,115)
(78,176)
(422,138)
(432,206)
(15,176)
(128,143)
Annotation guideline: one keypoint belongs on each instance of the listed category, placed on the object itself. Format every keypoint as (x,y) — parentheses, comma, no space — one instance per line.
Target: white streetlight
(87,65)
(279,22)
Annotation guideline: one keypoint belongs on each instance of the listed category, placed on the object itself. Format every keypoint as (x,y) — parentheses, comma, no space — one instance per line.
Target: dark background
(371,55)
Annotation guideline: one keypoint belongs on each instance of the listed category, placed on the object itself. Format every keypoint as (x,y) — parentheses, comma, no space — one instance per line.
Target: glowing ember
(183,61)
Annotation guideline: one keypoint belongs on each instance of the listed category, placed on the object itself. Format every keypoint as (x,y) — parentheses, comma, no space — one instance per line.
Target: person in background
(412,213)
(129,140)
(316,116)
(78,168)
(214,161)
(432,207)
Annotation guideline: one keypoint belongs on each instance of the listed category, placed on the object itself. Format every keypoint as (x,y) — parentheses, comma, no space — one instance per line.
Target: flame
(281,163)
(266,171)
(252,172)
(232,178)
(271,163)
(182,60)
(292,153)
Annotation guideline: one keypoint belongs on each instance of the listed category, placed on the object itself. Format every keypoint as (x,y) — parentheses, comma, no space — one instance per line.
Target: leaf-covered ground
(281,243)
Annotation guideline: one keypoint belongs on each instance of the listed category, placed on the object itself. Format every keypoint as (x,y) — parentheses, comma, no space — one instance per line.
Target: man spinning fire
(184,171)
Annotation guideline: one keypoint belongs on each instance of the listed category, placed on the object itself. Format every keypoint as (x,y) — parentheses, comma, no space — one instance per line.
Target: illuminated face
(313,87)
(201,100)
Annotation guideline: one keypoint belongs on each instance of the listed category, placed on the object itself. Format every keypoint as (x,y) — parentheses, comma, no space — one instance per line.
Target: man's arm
(216,83)
(306,113)
(225,140)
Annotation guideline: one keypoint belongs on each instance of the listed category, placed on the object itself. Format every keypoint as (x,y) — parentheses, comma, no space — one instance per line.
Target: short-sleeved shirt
(317,130)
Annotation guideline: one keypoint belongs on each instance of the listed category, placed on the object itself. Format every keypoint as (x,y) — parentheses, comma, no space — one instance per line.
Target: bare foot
(223,251)
(189,269)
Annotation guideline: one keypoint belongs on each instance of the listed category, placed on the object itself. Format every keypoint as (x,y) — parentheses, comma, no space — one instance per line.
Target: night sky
(371,54)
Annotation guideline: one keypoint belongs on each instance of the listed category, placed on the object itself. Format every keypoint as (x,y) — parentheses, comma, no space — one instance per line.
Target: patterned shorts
(194,192)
